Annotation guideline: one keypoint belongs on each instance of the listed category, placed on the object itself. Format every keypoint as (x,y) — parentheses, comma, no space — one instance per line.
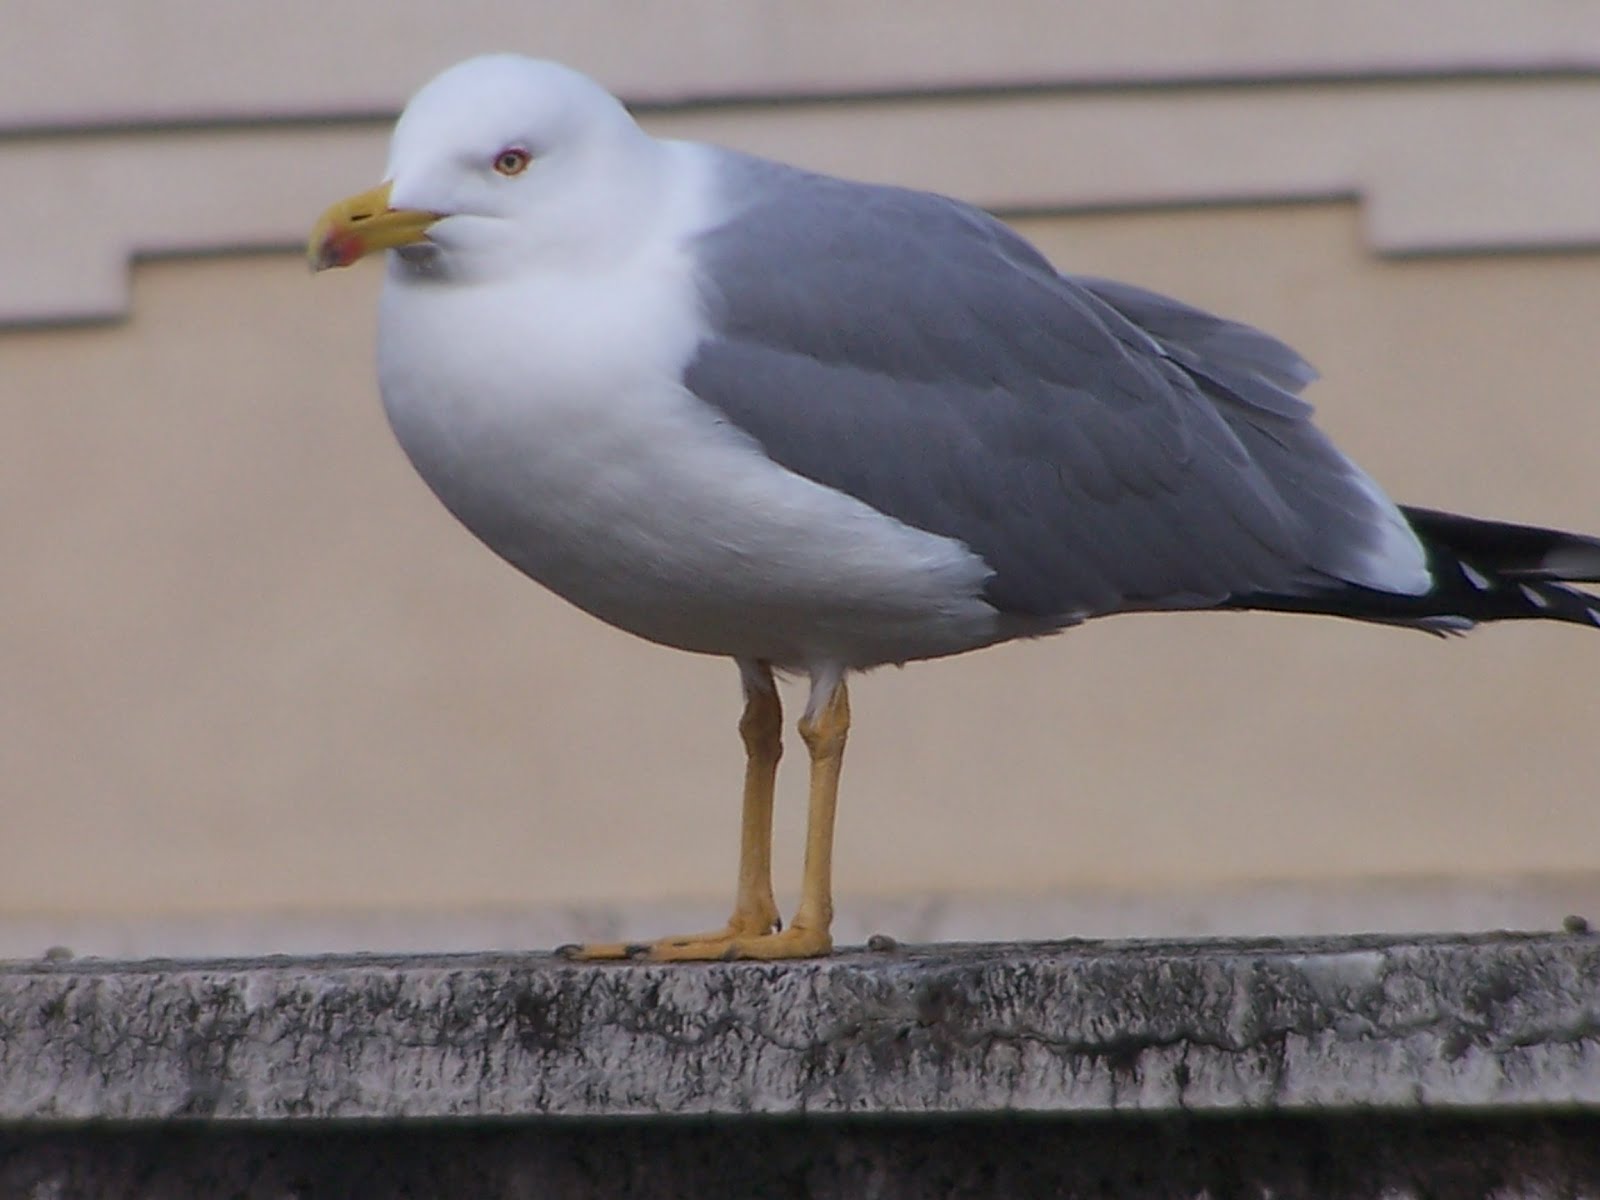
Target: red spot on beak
(339,248)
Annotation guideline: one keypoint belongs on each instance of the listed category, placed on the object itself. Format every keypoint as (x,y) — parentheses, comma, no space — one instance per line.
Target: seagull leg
(824,728)
(824,734)
(755,912)
(761,727)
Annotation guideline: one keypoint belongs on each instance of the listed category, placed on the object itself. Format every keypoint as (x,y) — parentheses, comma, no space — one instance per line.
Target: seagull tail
(1495,571)
(1481,570)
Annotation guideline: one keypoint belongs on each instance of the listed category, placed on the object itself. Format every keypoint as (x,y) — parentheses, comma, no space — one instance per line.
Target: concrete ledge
(1508,1021)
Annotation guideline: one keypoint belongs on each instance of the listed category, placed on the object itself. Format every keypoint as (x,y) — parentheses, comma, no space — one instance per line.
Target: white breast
(548,415)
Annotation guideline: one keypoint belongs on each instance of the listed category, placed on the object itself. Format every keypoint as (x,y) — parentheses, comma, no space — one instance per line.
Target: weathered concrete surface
(1510,1021)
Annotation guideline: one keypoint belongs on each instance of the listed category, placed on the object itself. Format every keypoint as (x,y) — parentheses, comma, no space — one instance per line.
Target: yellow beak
(354,228)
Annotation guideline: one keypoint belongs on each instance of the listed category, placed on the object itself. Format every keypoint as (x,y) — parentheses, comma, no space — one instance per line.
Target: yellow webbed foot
(741,927)
(721,946)
(794,942)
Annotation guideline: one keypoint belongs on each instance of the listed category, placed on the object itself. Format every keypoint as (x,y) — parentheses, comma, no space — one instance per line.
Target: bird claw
(794,942)
(721,946)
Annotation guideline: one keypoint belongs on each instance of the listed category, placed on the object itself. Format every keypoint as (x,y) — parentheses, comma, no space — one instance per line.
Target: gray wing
(1102,448)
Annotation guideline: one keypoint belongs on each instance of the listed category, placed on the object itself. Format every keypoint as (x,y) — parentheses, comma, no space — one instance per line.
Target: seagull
(820,426)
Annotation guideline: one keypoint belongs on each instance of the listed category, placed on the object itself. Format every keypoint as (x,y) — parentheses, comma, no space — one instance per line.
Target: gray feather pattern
(1101,447)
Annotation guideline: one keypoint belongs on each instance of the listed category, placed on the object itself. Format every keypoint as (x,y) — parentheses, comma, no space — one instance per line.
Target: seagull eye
(512,161)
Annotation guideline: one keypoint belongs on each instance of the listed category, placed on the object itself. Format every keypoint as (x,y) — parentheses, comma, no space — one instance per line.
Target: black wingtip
(1512,551)
(1482,571)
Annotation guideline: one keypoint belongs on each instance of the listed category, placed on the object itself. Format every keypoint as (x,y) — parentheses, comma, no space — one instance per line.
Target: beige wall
(249,666)
(150,61)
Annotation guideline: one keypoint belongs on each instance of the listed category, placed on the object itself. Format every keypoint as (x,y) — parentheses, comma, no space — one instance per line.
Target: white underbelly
(637,503)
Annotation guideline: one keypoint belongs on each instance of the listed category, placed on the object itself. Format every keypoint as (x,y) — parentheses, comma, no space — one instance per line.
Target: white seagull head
(499,163)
